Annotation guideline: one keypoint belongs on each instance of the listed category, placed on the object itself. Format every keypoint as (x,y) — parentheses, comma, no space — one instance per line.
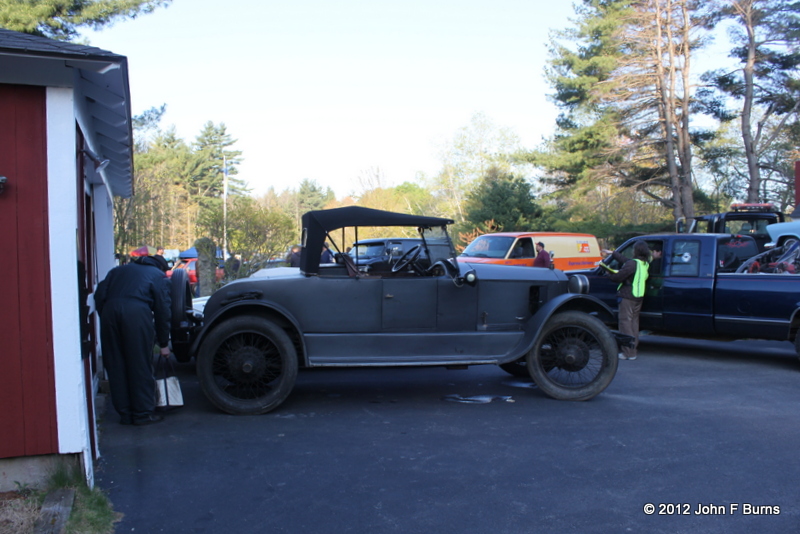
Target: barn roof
(100,81)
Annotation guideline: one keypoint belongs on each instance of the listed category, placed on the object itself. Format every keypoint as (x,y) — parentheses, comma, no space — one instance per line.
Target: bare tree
(652,91)
(765,42)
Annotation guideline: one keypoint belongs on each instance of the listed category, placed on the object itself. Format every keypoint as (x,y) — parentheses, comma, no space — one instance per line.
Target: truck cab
(743,219)
(680,291)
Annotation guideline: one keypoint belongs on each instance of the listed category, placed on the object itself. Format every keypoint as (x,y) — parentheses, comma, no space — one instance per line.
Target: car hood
(492,271)
(777,230)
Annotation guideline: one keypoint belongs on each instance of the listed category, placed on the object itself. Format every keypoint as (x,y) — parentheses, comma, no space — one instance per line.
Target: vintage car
(428,310)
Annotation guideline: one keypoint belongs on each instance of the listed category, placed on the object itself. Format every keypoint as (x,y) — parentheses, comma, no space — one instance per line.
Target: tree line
(639,121)
(646,135)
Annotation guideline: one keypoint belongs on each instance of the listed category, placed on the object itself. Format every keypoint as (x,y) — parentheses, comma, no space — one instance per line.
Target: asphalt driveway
(477,451)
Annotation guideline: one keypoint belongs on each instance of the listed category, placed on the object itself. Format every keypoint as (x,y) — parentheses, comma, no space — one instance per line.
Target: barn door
(27,383)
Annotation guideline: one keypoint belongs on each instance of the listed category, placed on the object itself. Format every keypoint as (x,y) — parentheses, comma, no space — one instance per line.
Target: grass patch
(92,512)
(18,513)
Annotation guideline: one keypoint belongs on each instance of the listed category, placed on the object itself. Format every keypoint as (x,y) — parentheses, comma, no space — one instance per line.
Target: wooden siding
(27,382)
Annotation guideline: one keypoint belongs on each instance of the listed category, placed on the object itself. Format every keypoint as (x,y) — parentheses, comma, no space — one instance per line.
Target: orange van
(567,251)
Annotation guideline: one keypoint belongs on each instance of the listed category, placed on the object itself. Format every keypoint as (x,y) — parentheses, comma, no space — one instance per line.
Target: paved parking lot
(404,450)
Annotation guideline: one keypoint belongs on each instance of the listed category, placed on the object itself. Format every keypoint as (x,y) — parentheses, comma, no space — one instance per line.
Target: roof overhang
(102,95)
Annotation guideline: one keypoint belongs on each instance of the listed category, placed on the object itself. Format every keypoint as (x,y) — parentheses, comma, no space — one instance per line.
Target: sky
(329,90)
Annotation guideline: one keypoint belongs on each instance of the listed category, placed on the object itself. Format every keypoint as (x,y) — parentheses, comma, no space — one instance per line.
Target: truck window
(685,258)
(733,251)
(656,247)
(746,227)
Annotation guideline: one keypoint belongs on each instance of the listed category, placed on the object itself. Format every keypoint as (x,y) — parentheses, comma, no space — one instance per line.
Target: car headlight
(579,284)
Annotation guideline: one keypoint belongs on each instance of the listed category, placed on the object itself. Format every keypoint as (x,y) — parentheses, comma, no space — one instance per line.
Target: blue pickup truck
(713,286)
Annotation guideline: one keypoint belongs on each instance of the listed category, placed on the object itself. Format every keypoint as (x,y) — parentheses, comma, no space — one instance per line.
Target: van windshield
(486,246)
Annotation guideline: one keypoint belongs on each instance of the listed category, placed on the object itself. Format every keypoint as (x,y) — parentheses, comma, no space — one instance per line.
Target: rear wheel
(574,358)
(247,365)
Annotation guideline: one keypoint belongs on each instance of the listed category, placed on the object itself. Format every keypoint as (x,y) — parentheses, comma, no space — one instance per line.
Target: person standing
(160,254)
(294,256)
(326,256)
(133,302)
(542,256)
(632,277)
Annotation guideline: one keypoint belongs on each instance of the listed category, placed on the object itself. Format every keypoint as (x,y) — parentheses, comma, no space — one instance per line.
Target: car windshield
(486,246)
(438,242)
(368,250)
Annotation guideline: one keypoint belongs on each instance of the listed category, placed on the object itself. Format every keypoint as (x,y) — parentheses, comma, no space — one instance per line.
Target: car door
(522,252)
(687,291)
(409,304)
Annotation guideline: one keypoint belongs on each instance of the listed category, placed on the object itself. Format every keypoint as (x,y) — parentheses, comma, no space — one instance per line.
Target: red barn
(65,152)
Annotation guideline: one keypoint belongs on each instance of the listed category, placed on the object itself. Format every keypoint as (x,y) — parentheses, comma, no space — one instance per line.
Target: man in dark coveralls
(134,306)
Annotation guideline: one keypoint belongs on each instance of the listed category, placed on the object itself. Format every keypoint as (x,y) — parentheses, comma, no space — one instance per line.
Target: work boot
(148,419)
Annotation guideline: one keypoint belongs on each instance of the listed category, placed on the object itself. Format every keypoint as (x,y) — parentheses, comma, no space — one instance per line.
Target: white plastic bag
(168,392)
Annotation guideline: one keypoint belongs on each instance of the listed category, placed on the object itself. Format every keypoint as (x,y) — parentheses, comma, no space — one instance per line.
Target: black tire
(181,295)
(575,357)
(180,325)
(247,365)
(518,368)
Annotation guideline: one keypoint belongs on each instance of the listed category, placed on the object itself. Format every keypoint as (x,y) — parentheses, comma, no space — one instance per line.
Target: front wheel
(574,358)
(247,365)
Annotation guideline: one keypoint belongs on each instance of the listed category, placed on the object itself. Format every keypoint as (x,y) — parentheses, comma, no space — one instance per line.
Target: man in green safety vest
(632,278)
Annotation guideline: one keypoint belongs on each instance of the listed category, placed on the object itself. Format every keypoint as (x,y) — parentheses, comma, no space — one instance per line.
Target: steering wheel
(407,259)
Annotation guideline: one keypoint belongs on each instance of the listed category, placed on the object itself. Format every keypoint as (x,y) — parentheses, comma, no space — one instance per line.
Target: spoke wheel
(247,365)
(574,358)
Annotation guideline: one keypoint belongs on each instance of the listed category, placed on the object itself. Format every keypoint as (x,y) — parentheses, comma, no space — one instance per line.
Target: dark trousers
(128,337)
(629,323)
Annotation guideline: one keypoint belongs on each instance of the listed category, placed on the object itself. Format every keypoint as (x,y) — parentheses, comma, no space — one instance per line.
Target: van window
(523,248)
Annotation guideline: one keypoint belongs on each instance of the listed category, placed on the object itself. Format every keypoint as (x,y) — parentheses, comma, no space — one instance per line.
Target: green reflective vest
(639,278)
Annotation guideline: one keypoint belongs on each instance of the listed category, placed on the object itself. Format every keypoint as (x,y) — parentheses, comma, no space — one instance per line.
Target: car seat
(527,250)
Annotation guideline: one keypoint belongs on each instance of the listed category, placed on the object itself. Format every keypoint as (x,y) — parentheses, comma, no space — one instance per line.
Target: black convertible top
(317,223)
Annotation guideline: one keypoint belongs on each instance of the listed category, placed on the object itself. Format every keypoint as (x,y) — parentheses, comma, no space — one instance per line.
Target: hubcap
(573,355)
(246,364)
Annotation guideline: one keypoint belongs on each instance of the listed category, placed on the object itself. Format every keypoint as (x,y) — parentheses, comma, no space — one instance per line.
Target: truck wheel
(574,358)
(247,365)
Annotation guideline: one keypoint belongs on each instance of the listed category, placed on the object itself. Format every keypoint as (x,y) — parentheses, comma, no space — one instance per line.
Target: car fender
(268,310)
(566,302)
